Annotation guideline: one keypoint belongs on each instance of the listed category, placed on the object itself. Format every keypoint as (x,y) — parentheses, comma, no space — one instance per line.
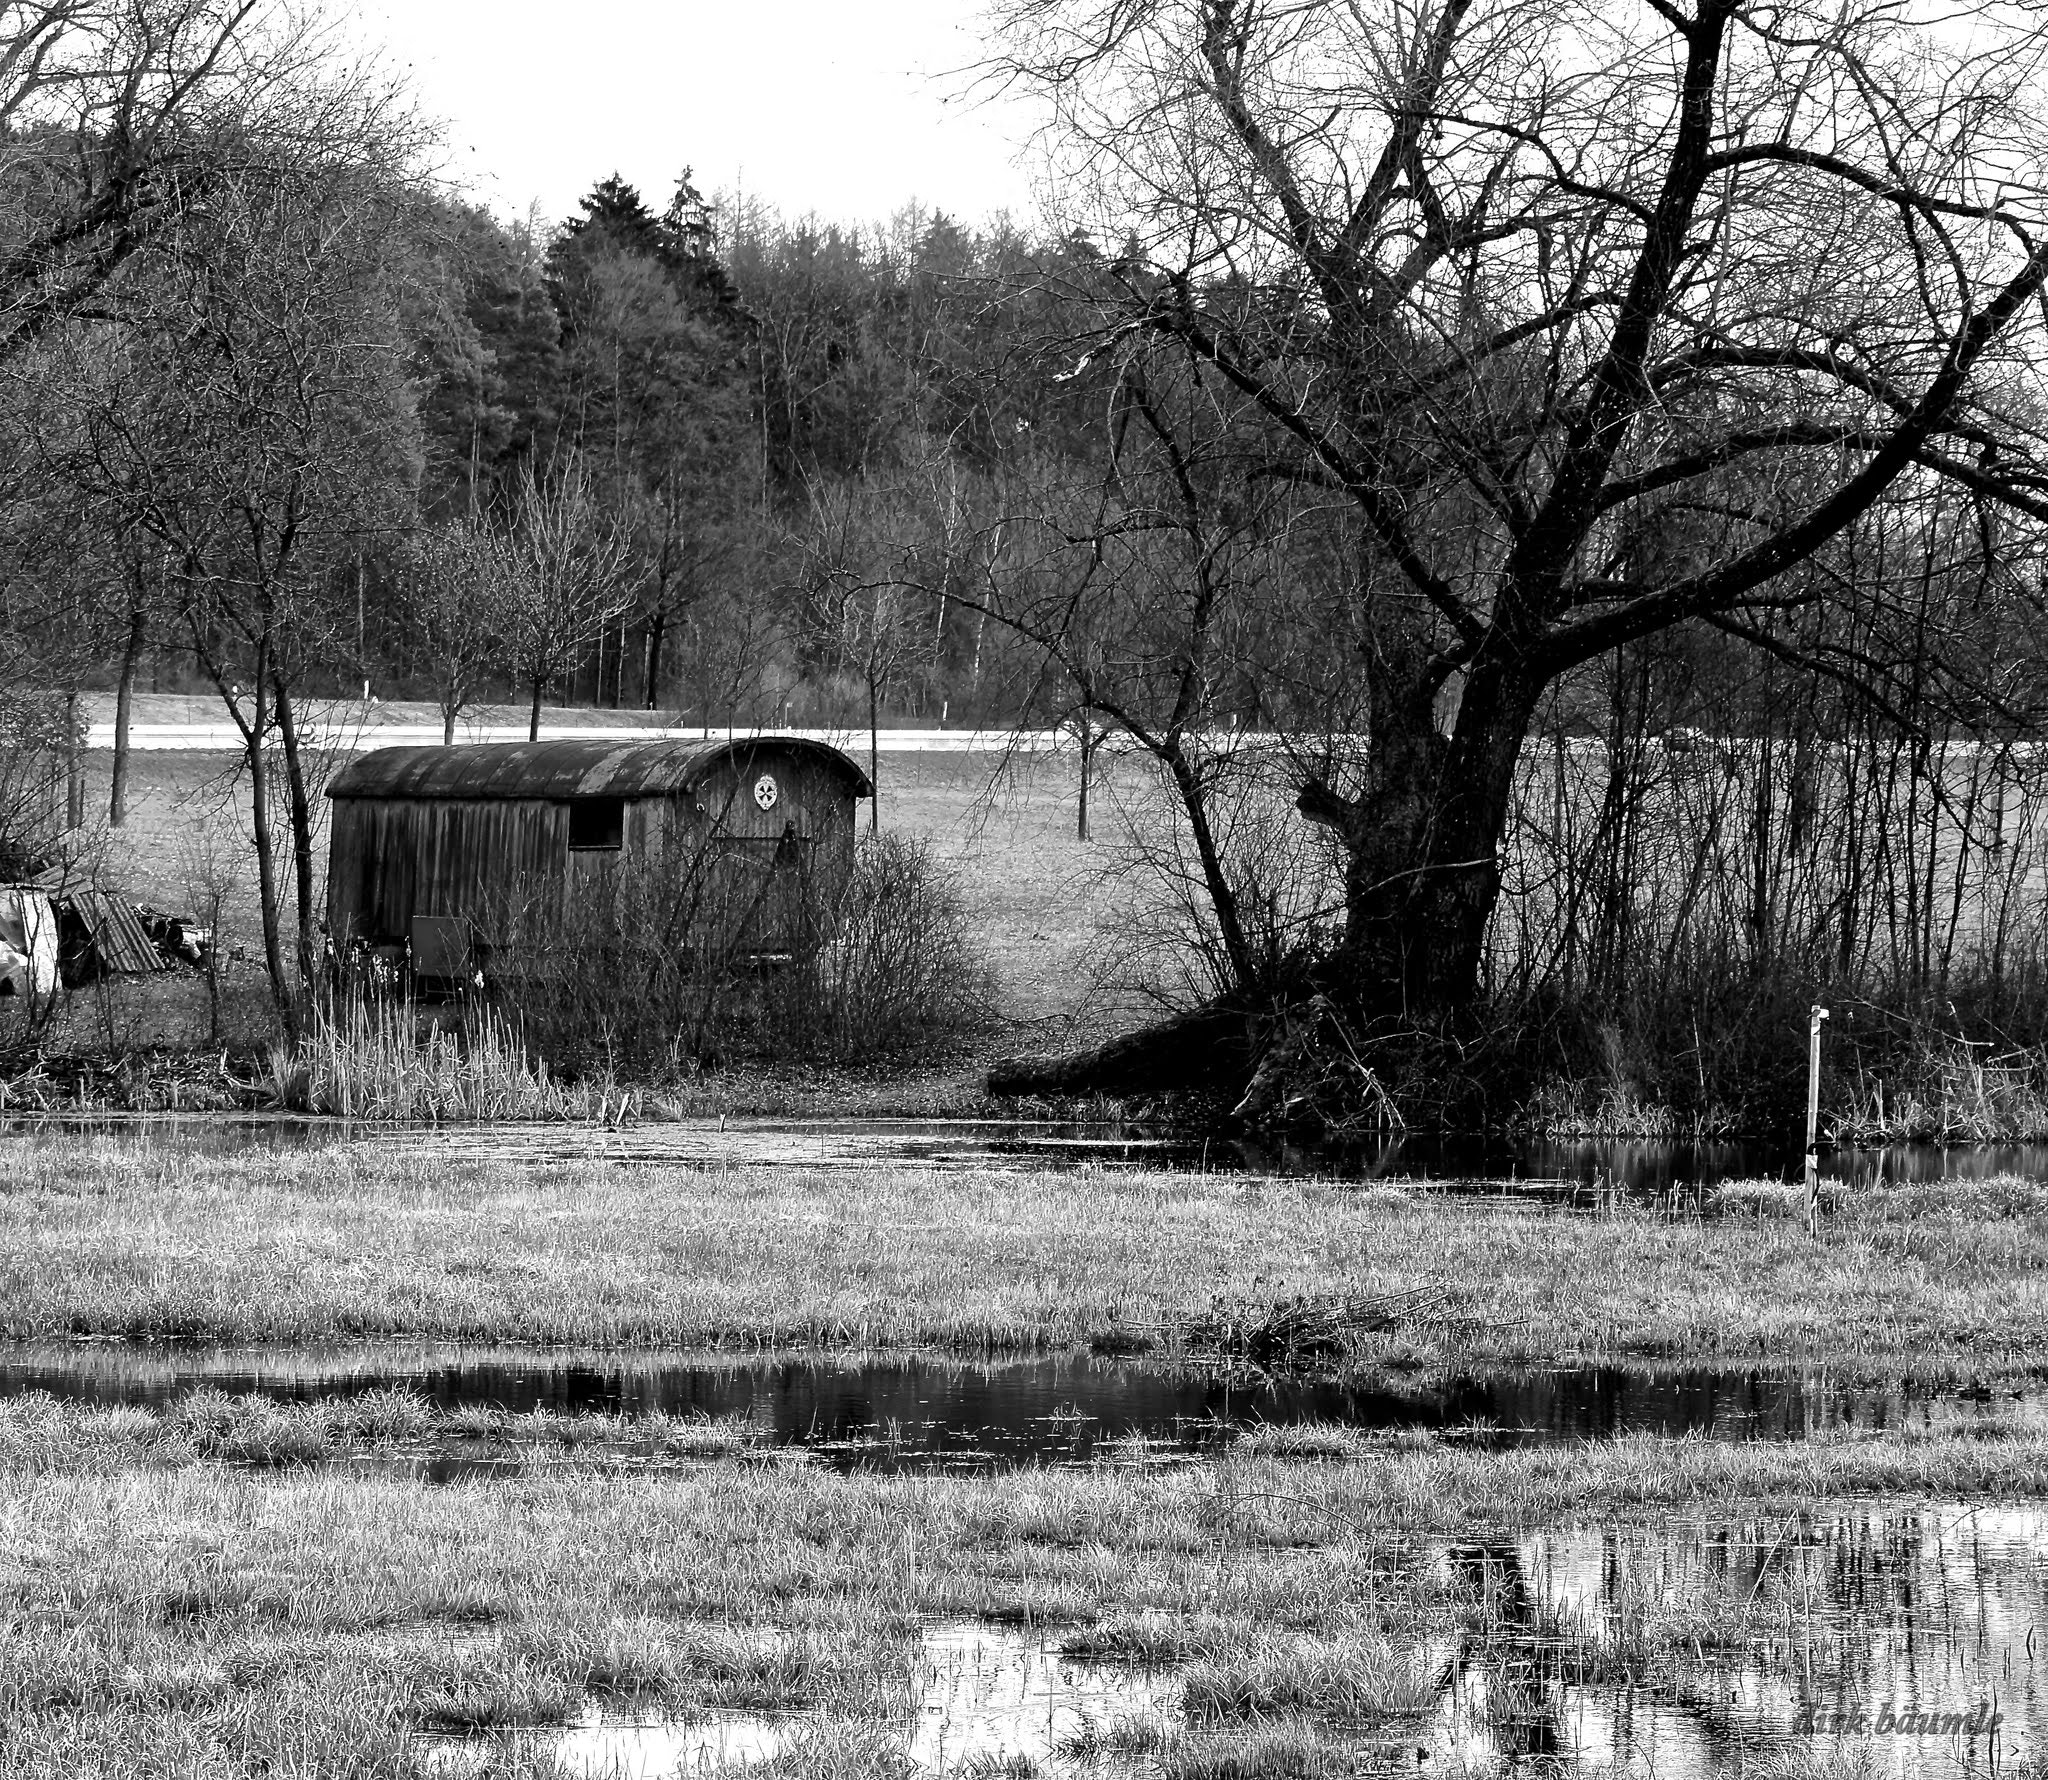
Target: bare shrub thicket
(35,746)
(1283,877)
(656,968)
(1675,894)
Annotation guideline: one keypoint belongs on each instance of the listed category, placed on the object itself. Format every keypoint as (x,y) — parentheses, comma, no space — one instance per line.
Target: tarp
(28,943)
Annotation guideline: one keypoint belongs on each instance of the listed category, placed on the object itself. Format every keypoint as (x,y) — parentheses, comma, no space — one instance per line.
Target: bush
(899,974)
(651,971)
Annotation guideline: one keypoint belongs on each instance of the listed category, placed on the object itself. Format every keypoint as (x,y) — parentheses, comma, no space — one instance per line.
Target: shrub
(898,975)
(652,970)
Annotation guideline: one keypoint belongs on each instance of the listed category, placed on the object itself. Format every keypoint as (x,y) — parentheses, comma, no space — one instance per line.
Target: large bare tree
(251,417)
(1566,323)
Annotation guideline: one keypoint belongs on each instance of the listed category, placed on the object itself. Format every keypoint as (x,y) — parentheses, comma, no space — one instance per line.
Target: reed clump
(1361,1679)
(1948,1089)
(1318,1329)
(380,1060)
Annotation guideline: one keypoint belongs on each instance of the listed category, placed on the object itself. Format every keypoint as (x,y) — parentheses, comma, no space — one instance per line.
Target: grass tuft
(1364,1680)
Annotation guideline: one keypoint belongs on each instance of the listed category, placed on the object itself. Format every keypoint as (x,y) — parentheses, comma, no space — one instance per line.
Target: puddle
(1569,1173)
(984,1696)
(1689,1652)
(616,1748)
(917,1412)
(991,1694)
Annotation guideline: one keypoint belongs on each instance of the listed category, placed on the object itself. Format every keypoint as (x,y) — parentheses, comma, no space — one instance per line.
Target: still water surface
(913,1411)
(1571,1172)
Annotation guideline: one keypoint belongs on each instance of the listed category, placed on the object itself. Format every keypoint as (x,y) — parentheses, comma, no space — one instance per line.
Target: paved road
(356,737)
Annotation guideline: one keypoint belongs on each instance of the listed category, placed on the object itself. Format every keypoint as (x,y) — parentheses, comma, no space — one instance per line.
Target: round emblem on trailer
(766,791)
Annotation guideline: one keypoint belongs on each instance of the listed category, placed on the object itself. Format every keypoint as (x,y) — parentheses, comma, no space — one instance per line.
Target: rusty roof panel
(118,935)
(552,770)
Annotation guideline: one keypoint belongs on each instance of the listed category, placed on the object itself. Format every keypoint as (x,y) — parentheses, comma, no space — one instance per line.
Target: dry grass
(374,1061)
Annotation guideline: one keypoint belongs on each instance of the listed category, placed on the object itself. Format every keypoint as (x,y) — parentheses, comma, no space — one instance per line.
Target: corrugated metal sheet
(118,936)
(548,770)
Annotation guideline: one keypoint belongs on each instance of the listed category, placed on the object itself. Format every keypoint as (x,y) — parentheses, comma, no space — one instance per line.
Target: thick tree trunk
(657,632)
(1421,840)
(533,720)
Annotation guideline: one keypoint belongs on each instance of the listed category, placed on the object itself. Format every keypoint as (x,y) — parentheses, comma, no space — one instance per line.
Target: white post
(1813,1118)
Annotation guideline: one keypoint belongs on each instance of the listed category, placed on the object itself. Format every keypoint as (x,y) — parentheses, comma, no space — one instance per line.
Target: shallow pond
(1902,1640)
(1569,1172)
(911,1411)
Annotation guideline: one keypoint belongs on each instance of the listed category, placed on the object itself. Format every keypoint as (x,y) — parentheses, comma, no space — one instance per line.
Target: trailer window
(597,825)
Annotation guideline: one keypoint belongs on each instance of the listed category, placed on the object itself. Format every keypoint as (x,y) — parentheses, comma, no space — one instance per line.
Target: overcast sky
(832,106)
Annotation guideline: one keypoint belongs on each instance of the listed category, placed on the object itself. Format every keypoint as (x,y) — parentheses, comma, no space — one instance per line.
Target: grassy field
(392,1238)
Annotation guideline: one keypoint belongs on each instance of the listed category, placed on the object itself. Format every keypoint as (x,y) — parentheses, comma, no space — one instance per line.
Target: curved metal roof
(552,770)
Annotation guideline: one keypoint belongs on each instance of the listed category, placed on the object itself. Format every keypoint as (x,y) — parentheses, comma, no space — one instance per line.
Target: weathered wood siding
(391,861)
(774,870)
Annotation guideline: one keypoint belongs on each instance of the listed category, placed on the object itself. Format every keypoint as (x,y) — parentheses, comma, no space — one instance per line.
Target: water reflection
(914,1411)
(984,1697)
(1906,1634)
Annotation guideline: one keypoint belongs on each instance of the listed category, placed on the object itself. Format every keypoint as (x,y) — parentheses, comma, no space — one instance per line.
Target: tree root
(1297,1065)
(1211,1050)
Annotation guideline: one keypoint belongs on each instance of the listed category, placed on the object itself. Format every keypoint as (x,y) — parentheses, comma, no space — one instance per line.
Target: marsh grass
(1274,1751)
(1766,1198)
(1310,1440)
(39,1431)
(308,1621)
(1944,1088)
(1150,1640)
(1359,1679)
(363,1240)
(377,1060)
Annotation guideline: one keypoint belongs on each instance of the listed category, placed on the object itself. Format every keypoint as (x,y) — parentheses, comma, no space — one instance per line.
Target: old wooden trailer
(445,856)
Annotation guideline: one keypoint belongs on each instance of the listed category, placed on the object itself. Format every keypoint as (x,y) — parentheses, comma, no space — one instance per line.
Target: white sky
(849,108)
